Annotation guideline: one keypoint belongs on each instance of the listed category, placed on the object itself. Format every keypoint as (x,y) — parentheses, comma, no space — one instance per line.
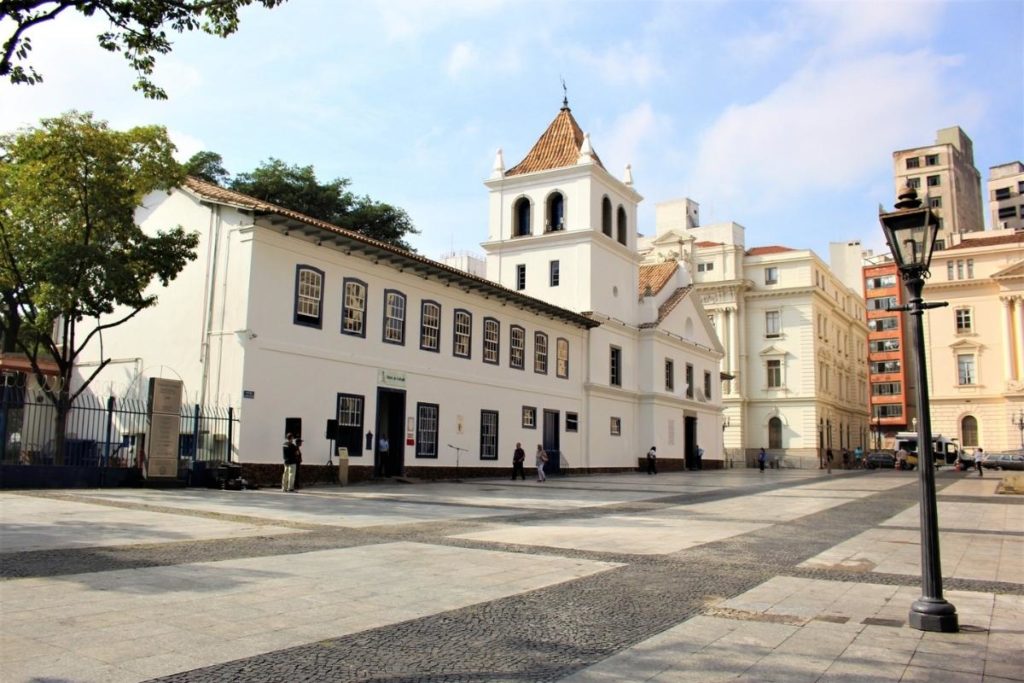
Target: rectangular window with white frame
(492,341)
(529,417)
(964,323)
(965,369)
(772,324)
(689,380)
(394,317)
(430,326)
(462,334)
(353,307)
(774,369)
(562,358)
(615,426)
(517,348)
(309,296)
(554,276)
(521,276)
(540,353)
(771,275)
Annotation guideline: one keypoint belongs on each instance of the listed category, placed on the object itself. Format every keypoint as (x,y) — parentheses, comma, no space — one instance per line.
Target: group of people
(519,460)
(292,459)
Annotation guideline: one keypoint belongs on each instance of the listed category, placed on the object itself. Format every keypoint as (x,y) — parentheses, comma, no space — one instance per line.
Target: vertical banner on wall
(164,427)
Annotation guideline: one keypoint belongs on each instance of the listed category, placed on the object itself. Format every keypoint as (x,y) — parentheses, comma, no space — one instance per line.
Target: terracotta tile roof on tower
(773,249)
(1017,237)
(558,147)
(705,243)
(668,306)
(655,276)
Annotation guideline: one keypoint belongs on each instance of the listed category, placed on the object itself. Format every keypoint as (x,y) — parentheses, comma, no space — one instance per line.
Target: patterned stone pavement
(736,575)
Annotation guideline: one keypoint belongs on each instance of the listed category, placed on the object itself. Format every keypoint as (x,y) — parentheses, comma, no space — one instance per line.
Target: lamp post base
(933,614)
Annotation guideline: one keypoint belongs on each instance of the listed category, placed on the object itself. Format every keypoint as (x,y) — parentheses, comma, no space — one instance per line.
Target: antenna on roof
(565,94)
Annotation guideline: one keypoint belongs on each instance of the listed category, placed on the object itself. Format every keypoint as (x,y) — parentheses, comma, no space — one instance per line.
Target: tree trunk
(63,408)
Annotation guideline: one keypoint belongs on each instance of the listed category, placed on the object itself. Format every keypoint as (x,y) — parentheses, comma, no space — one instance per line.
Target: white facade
(793,332)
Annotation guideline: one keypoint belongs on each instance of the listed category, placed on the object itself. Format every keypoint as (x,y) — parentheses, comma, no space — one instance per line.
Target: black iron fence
(101,432)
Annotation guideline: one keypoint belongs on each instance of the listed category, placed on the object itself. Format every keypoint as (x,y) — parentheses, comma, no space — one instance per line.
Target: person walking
(858,457)
(761,458)
(846,459)
(540,459)
(652,461)
(298,463)
(288,451)
(518,458)
(979,457)
(700,458)
(828,459)
(383,446)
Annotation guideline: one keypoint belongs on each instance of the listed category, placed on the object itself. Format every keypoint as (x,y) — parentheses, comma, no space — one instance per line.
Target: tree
(138,30)
(208,166)
(297,188)
(73,263)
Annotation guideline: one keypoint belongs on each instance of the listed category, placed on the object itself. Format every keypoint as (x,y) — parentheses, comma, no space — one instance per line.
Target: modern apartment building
(944,173)
(1006,196)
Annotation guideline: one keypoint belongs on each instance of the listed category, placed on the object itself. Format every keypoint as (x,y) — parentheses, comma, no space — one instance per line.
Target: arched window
(622,225)
(969,431)
(606,216)
(775,433)
(555,219)
(521,225)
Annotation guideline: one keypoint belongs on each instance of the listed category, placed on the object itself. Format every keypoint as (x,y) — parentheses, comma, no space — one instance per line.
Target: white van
(946,451)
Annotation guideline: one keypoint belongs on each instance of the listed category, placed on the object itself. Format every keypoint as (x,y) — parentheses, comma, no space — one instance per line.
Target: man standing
(828,459)
(761,458)
(700,458)
(383,446)
(518,458)
(539,459)
(652,461)
(298,463)
(288,477)
(979,457)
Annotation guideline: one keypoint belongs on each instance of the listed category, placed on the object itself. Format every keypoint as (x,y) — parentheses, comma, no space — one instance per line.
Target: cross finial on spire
(565,94)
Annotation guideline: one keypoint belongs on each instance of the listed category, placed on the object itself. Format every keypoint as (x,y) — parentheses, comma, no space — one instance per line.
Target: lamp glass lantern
(911,236)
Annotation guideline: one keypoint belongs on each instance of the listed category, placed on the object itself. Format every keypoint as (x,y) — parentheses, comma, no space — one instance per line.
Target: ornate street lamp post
(910,231)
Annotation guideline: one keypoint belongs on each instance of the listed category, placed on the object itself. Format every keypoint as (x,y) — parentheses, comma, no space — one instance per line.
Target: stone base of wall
(678,464)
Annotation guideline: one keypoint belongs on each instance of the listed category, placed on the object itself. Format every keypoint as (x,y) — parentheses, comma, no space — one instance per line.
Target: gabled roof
(773,249)
(705,243)
(1011,272)
(383,251)
(1016,238)
(667,306)
(655,276)
(558,147)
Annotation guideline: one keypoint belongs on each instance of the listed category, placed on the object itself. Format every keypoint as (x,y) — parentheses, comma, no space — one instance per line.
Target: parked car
(1003,461)
(879,459)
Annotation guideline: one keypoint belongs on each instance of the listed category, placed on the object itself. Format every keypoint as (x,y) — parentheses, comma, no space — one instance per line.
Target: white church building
(568,343)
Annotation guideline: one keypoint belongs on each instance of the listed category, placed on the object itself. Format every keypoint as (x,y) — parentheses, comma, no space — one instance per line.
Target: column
(734,349)
(1008,341)
(1018,332)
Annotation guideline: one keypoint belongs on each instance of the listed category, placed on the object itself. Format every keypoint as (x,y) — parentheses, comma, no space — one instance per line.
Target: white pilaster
(1008,340)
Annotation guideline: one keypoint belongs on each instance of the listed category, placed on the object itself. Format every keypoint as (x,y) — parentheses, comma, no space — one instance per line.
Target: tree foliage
(297,188)
(73,262)
(138,30)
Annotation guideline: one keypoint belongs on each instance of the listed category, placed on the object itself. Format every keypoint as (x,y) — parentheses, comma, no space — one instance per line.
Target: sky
(780,116)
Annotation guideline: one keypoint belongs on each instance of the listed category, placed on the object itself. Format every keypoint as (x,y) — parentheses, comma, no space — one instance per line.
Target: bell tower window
(606,216)
(555,219)
(621,225)
(522,217)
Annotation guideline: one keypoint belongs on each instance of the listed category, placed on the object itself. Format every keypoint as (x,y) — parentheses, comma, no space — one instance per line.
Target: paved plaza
(786,575)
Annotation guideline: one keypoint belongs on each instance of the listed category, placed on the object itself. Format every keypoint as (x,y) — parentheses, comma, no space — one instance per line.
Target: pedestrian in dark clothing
(761,458)
(828,459)
(700,458)
(652,461)
(288,476)
(846,459)
(298,462)
(518,458)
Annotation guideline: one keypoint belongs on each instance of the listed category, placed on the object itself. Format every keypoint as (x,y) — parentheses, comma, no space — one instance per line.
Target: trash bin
(342,465)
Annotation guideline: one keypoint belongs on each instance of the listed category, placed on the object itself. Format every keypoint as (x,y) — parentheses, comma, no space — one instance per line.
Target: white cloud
(409,19)
(830,126)
(621,64)
(623,143)
(186,144)
(462,56)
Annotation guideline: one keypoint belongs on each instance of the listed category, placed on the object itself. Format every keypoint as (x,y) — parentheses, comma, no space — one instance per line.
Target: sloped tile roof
(217,194)
(1017,237)
(669,305)
(705,243)
(558,147)
(655,276)
(773,249)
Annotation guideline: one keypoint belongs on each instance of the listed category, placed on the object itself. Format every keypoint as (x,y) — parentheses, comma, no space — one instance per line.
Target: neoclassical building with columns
(975,346)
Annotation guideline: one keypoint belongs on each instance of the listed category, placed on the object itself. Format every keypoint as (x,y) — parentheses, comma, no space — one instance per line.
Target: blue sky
(781,116)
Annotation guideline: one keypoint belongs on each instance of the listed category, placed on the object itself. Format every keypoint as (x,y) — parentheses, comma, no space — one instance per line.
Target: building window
(562,358)
(615,426)
(353,307)
(887,410)
(965,369)
(529,417)
(707,386)
(934,181)
(488,435)
(774,433)
(931,159)
(670,375)
(913,162)
(914,183)
(969,431)
(881,282)
(621,227)
(705,267)
(426,430)
(553,274)
(309,296)
(774,374)
(463,334)
(884,345)
(970,268)
(1002,193)
(517,348)
(522,217)
(689,380)
(963,321)
(887,388)
(881,303)
(1008,212)
(949,270)
(350,423)
(772,324)
(492,341)
(615,367)
(521,276)
(394,317)
(883,324)
(572,422)
(885,367)
(555,212)
(540,353)
(771,275)
(935,202)
(430,326)
(960,269)
(606,216)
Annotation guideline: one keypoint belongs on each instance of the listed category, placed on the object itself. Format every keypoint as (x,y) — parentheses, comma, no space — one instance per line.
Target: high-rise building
(944,173)
(1006,196)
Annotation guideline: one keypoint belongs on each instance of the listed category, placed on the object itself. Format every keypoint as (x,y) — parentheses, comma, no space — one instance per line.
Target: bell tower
(563,229)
